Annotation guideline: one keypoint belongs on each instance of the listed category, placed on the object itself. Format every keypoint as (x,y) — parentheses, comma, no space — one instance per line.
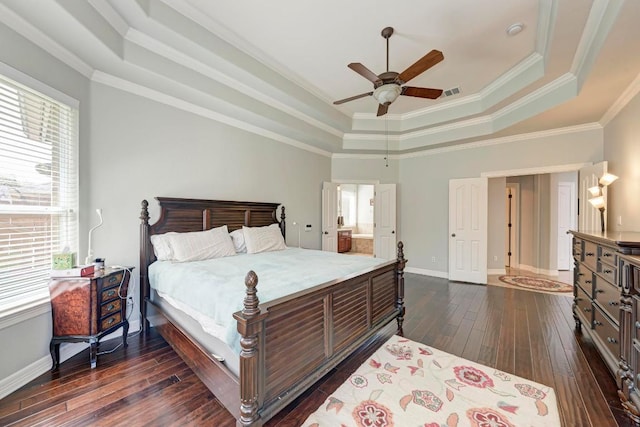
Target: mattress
(210,291)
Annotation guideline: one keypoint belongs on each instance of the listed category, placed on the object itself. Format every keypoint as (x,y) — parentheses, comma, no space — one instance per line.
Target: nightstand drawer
(110,307)
(109,294)
(110,321)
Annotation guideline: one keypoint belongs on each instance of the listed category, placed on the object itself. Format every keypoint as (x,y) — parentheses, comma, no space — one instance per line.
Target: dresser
(85,309)
(607,304)
(344,241)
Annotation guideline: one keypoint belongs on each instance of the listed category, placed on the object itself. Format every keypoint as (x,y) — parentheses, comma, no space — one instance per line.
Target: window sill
(24,310)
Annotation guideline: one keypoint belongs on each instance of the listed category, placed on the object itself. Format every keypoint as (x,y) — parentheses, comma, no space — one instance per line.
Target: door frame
(515,225)
(571,167)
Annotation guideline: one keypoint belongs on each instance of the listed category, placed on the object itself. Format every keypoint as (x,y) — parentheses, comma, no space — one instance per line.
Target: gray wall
(29,340)
(131,149)
(423,210)
(622,151)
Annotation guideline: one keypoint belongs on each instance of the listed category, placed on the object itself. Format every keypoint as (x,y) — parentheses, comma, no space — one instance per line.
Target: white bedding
(211,291)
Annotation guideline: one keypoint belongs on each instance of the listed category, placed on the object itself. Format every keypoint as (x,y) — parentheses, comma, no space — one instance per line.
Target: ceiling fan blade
(362,95)
(422,65)
(382,109)
(421,92)
(364,72)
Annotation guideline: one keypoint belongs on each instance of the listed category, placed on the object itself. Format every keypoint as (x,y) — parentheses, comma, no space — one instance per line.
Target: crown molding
(478,144)
(601,18)
(630,92)
(152,94)
(18,24)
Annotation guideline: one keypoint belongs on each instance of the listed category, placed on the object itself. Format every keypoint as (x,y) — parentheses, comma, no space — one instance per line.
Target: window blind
(38,190)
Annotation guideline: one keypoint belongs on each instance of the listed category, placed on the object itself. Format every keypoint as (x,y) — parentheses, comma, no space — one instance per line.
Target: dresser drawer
(607,332)
(584,279)
(583,305)
(110,307)
(589,254)
(608,272)
(608,296)
(577,248)
(608,255)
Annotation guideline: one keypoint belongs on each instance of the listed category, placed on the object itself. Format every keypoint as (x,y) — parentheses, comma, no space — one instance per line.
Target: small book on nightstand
(79,271)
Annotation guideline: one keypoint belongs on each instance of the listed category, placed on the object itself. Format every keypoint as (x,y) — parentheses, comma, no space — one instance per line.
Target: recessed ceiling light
(514,29)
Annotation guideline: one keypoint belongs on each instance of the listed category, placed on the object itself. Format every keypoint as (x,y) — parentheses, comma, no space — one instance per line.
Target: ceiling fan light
(387,93)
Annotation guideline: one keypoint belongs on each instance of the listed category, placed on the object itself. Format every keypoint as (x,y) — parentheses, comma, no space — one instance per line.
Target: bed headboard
(184,215)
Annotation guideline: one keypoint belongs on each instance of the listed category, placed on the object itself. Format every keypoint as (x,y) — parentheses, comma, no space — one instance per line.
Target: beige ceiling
(276,67)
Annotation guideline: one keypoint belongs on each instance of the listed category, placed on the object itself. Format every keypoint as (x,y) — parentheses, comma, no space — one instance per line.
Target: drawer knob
(599,291)
(587,309)
(110,321)
(607,254)
(588,282)
(612,340)
(111,293)
(613,303)
(110,307)
(637,325)
(597,322)
(580,274)
(608,271)
(589,254)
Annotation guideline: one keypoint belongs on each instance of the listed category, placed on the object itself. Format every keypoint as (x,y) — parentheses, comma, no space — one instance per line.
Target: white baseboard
(497,271)
(424,272)
(67,350)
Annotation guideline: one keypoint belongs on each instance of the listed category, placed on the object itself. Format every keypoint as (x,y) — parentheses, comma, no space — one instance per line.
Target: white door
(330,217)
(468,202)
(588,216)
(384,221)
(566,222)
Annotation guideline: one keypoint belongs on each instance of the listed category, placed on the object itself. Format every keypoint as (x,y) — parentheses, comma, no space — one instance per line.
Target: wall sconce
(597,199)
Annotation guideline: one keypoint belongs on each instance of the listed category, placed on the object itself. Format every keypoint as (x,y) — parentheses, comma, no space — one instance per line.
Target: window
(38,190)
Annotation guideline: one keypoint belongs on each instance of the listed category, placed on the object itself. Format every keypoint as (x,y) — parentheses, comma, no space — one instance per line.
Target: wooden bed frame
(287,344)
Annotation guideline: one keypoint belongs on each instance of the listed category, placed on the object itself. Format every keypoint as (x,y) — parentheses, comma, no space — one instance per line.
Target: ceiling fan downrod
(386,33)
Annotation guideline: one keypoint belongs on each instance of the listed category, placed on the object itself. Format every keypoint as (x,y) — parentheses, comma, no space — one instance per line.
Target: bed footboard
(288,344)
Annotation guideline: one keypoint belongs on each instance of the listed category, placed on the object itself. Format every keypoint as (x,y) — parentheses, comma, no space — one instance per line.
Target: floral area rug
(406,383)
(537,283)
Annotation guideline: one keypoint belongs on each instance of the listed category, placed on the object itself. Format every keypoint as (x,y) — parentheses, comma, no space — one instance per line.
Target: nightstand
(85,309)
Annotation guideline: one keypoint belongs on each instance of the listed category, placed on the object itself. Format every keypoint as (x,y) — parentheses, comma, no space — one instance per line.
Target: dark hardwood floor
(525,333)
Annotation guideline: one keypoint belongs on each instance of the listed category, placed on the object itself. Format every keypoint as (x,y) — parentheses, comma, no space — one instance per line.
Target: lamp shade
(607,179)
(595,190)
(597,202)
(386,94)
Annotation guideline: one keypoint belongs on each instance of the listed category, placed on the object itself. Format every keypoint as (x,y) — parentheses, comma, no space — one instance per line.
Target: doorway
(359,218)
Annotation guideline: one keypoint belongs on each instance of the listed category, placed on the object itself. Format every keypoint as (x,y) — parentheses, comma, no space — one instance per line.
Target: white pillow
(161,247)
(237,236)
(263,239)
(194,246)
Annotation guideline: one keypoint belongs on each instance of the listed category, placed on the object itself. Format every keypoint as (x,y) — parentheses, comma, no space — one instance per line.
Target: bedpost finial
(144,213)
(251,300)
(401,260)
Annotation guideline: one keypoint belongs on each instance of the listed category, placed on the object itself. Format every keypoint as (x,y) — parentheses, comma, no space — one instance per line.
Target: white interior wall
(622,152)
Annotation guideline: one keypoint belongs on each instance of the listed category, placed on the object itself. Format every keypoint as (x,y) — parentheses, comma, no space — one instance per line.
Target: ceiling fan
(388,85)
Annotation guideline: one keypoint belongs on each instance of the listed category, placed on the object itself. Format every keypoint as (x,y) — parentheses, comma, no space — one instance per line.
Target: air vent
(450,92)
